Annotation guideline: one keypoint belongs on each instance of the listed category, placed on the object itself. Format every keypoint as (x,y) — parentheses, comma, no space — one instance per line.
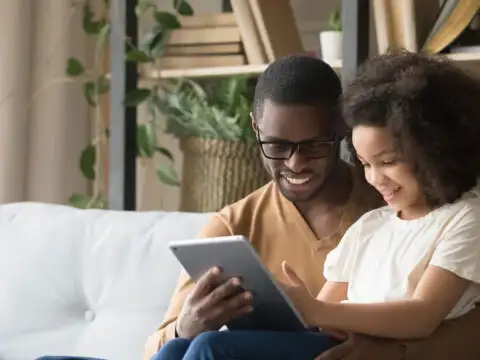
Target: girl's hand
(304,301)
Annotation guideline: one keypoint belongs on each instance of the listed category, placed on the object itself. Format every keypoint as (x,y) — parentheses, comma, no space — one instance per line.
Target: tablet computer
(272,309)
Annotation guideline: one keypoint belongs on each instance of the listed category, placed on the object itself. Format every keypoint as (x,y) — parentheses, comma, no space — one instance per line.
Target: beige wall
(43,118)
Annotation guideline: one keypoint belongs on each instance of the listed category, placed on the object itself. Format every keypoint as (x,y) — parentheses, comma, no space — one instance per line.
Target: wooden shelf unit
(460,57)
(254,70)
(207,72)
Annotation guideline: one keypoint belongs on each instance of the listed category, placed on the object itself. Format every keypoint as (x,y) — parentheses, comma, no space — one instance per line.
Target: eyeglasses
(283,149)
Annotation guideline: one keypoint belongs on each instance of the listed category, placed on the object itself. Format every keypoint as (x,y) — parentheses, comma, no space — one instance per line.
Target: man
(300,216)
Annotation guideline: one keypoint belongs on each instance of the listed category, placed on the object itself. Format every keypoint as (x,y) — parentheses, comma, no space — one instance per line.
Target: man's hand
(360,347)
(212,304)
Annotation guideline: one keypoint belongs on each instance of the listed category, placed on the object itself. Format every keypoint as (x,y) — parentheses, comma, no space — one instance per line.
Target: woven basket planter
(218,172)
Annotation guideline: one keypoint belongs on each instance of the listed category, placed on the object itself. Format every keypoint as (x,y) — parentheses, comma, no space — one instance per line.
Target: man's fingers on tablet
(206,283)
(230,310)
(224,291)
(242,311)
(241,304)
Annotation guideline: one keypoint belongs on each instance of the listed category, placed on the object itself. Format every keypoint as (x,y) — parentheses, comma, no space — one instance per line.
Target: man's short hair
(297,80)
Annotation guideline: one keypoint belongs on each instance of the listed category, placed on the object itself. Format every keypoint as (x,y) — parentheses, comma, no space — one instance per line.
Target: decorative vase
(217,173)
(331,45)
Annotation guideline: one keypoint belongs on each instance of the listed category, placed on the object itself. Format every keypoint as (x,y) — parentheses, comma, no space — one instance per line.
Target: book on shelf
(252,43)
(203,41)
(277,27)
(422,25)
(453,18)
(252,34)
(200,61)
(208,20)
(207,49)
(403,24)
(207,35)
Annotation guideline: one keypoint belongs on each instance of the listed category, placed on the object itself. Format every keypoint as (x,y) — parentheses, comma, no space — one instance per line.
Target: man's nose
(297,162)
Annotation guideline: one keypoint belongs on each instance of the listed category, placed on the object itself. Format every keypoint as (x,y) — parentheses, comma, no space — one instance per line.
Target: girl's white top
(383,257)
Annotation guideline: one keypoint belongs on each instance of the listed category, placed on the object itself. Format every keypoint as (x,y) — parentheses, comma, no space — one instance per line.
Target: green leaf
(157,45)
(91,89)
(79,201)
(102,86)
(153,42)
(87,162)
(167,20)
(90,25)
(99,203)
(146,140)
(74,67)
(164,152)
(136,97)
(166,173)
(218,110)
(82,201)
(143,7)
(137,56)
(103,34)
(89,92)
(335,21)
(183,7)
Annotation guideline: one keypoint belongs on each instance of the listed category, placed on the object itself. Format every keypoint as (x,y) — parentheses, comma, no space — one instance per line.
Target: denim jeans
(59,357)
(247,345)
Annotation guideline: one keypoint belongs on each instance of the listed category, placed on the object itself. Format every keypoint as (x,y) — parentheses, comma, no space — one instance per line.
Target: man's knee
(174,349)
(207,341)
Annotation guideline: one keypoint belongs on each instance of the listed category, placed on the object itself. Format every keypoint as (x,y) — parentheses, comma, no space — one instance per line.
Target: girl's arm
(435,296)
(333,292)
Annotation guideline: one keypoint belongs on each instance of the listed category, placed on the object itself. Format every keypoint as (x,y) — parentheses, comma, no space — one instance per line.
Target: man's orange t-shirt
(278,232)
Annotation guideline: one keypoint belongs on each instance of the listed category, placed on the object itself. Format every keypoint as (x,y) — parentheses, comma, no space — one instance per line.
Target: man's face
(299,171)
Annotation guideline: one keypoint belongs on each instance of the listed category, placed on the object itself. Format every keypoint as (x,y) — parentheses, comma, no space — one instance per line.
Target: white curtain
(44,119)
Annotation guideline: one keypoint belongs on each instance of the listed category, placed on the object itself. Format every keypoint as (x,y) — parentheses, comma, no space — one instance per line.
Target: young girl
(400,270)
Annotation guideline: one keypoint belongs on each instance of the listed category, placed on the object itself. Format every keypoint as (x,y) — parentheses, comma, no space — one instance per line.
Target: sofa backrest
(85,282)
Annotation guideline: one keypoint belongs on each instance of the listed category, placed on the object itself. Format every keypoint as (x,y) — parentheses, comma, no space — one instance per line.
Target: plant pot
(217,173)
(331,45)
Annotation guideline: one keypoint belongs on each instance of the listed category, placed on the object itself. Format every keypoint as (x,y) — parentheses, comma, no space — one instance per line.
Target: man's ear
(254,123)
(341,129)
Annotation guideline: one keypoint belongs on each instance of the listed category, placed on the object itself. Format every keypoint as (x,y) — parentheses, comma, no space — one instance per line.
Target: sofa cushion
(85,282)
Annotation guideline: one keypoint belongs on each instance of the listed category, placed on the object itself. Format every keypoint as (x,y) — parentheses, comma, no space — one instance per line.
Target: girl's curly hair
(433,110)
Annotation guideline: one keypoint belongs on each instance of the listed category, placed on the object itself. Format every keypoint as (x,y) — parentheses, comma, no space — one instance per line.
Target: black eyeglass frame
(296,146)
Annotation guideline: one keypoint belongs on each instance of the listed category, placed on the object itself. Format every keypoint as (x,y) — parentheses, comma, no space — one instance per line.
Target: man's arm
(454,339)
(167,330)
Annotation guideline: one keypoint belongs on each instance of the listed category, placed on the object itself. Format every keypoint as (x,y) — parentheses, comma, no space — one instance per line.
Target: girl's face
(385,170)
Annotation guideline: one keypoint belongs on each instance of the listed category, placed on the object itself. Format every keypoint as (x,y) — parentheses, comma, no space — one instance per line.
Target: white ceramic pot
(331,45)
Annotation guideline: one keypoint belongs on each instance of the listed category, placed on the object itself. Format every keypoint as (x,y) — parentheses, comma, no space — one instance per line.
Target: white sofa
(85,282)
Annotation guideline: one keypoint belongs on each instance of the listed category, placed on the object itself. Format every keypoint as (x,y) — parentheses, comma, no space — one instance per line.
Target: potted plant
(95,81)
(222,162)
(331,40)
